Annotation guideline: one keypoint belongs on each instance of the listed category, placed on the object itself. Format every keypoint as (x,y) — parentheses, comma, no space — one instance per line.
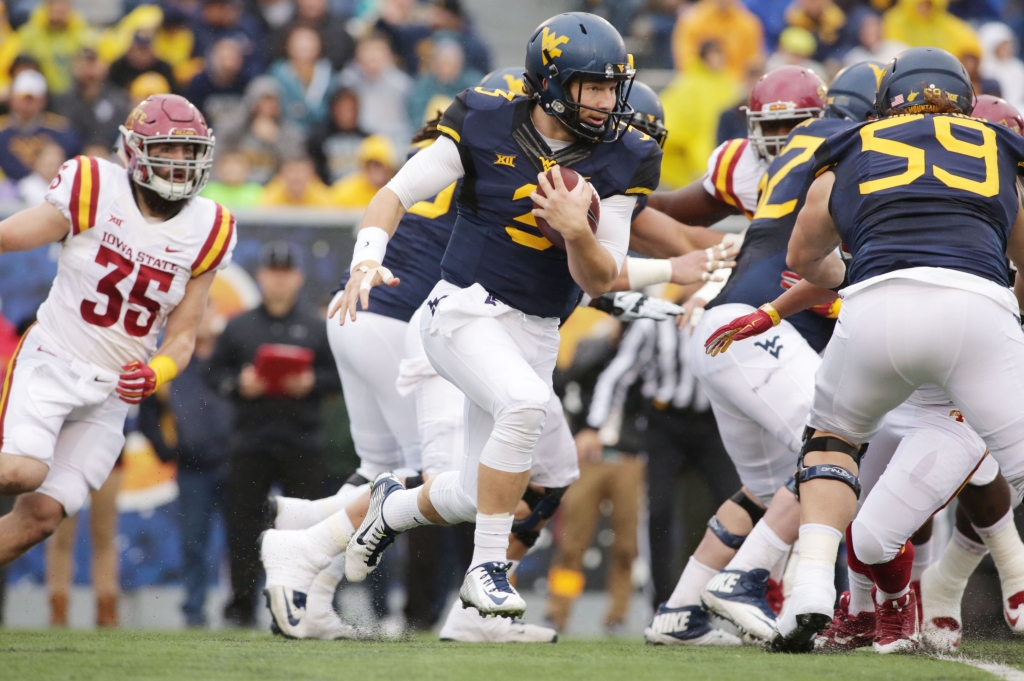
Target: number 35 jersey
(119,276)
(925,190)
(496,242)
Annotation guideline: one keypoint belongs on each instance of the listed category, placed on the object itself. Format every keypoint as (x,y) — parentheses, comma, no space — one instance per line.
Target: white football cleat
(469,626)
(290,560)
(287,611)
(941,622)
(688,625)
(486,588)
(367,545)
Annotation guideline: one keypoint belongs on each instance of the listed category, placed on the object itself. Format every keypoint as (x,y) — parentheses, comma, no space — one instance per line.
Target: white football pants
(760,391)
(367,352)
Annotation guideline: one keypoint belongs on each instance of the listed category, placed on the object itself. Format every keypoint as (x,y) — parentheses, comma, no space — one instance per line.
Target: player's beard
(158,205)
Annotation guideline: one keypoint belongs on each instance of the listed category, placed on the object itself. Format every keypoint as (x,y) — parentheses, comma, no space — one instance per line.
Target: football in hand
(571,178)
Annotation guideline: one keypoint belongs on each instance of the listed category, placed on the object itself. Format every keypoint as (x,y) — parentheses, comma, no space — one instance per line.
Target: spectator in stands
(928,23)
(9,47)
(334,144)
(448,19)
(260,132)
(826,22)
(296,184)
(53,35)
(728,23)
(139,59)
(219,88)
(447,77)
(33,187)
(377,166)
(970,57)
(796,48)
(28,128)
(230,185)
(202,425)
(406,34)
(338,45)
(694,126)
(174,41)
(304,76)
(382,87)
(225,19)
(732,124)
(95,107)
(652,32)
(999,61)
(772,14)
(278,429)
(867,26)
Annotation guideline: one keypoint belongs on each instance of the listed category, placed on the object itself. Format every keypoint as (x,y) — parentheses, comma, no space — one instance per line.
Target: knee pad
(828,443)
(516,431)
(450,501)
(747,504)
(869,549)
(542,506)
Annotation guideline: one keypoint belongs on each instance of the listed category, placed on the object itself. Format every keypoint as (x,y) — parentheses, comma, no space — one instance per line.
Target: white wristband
(644,272)
(371,244)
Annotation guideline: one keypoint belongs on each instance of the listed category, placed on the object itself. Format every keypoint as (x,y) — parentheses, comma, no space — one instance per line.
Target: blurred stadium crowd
(313,103)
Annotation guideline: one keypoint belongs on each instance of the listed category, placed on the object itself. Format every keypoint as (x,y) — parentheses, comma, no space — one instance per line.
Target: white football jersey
(734,175)
(119,276)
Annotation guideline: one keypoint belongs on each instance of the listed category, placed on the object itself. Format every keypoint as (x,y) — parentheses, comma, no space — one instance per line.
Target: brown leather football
(571,179)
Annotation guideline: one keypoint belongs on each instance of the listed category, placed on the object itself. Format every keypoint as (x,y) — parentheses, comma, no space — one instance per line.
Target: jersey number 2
(107,286)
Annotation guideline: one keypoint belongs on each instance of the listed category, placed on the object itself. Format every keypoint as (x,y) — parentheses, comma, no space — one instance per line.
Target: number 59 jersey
(925,190)
(119,276)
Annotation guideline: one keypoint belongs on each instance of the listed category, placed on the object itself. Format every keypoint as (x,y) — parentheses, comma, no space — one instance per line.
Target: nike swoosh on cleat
(288,608)
(496,601)
(1011,620)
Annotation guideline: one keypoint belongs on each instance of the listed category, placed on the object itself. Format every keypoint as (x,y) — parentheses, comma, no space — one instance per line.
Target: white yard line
(1003,671)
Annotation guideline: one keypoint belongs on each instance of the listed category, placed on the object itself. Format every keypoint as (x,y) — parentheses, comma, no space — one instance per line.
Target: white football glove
(628,306)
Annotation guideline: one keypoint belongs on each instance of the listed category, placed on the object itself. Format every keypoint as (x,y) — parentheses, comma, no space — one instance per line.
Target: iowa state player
(138,249)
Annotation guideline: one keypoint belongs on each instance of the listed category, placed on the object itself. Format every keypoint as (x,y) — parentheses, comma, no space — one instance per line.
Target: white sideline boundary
(1005,672)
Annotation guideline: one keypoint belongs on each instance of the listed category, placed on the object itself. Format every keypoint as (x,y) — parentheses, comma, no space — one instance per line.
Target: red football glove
(828,310)
(138,381)
(753,324)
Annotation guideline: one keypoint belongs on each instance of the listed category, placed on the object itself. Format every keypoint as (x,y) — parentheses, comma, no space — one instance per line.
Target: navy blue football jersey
(414,255)
(496,242)
(762,258)
(925,191)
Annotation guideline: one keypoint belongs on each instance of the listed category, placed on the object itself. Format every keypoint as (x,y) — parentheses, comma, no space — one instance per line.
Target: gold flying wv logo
(549,42)
(547,163)
(505,160)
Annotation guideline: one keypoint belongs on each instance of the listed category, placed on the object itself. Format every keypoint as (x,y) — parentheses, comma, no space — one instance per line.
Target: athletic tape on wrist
(371,244)
(165,369)
(644,272)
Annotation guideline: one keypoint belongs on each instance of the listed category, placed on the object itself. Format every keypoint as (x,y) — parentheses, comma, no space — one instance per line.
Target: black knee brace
(734,541)
(828,443)
(542,506)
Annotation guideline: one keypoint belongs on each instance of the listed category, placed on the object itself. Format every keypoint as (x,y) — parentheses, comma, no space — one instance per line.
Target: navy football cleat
(739,596)
(686,626)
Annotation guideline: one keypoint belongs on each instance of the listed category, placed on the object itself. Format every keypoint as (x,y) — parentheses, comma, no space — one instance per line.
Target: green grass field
(117,655)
